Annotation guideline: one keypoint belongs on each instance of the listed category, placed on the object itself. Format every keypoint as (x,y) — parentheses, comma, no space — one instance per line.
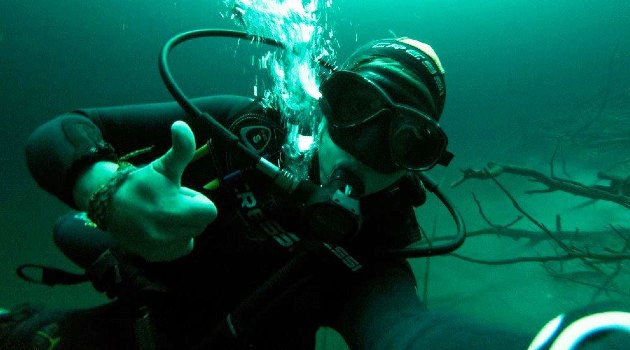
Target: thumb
(175,160)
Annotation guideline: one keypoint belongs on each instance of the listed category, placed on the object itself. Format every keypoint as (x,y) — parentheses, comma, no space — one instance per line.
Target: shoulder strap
(258,128)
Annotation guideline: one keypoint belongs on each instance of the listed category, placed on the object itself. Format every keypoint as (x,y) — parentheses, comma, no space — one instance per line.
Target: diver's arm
(58,151)
(150,213)
(383,311)
(146,209)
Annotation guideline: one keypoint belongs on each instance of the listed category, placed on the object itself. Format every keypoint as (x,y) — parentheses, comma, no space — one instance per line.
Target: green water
(525,79)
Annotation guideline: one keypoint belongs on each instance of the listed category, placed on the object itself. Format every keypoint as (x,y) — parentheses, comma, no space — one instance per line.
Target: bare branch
(552,183)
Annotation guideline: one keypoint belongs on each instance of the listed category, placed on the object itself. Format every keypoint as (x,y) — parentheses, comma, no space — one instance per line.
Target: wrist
(90,180)
(99,205)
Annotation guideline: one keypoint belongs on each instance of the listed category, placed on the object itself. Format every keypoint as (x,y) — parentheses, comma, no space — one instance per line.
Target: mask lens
(351,99)
(416,140)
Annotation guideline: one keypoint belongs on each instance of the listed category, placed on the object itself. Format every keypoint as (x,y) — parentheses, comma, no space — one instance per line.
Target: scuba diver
(199,251)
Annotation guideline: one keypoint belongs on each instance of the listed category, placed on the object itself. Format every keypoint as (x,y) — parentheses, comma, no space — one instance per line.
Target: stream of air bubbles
(303,27)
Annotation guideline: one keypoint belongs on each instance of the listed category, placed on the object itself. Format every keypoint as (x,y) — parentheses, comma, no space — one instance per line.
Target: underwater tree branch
(623,236)
(582,132)
(553,183)
(485,218)
(549,234)
(608,281)
(596,258)
(607,287)
(530,217)
(516,234)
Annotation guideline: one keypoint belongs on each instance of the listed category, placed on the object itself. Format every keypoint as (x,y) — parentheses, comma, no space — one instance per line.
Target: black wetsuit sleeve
(58,150)
(383,311)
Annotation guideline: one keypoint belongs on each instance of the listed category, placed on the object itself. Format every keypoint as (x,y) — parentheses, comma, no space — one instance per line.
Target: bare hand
(152,215)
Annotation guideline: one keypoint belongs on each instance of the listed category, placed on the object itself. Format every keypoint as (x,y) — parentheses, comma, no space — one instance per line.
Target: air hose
(432,249)
(301,190)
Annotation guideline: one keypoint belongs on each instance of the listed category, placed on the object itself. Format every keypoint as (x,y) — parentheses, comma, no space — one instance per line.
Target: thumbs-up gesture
(151,214)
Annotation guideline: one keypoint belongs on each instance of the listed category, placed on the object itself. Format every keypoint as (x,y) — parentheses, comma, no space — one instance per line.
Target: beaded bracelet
(101,200)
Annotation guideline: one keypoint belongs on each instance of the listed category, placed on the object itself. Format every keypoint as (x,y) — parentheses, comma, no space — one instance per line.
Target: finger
(173,163)
(196,209)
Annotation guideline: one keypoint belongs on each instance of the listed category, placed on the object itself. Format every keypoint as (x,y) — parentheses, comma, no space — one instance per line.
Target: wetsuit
(255,234)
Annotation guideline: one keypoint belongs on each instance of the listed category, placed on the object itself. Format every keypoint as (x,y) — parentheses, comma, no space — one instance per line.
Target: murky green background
(520,75)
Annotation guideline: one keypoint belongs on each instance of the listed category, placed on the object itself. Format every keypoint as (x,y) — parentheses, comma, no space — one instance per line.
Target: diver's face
(331,157)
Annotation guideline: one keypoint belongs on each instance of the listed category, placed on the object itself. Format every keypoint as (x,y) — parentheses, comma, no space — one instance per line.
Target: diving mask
(365,122)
